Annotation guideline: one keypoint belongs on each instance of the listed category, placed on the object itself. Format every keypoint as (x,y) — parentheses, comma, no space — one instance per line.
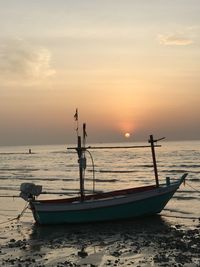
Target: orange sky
(129,66)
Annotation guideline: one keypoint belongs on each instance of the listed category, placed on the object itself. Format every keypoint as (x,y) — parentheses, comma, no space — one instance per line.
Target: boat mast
(81,154)
(152,141)
(81,167)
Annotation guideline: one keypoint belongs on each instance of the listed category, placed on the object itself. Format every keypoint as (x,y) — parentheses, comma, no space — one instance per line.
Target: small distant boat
(99,207)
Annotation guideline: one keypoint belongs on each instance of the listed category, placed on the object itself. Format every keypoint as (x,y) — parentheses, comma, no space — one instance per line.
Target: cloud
(21,60)
(174,39)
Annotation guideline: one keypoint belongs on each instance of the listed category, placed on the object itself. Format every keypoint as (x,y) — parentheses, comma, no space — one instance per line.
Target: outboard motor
(29,191)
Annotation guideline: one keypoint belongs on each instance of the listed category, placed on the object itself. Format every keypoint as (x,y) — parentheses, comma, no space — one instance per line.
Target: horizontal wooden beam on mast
(114,147)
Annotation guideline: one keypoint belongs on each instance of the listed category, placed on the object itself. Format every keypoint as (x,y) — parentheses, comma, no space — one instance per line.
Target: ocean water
(56,169)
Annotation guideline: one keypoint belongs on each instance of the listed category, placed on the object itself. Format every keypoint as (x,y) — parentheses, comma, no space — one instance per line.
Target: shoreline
(151,241)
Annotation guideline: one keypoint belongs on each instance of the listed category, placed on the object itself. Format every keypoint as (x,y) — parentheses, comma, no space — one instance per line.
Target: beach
(150,241)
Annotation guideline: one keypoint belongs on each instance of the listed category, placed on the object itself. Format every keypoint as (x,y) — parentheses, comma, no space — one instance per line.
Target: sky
(129,66)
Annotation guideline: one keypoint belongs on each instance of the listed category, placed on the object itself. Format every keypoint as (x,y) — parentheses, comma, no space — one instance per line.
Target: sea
(55,167)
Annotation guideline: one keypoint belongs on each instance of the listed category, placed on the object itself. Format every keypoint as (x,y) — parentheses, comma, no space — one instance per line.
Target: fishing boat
(98,207)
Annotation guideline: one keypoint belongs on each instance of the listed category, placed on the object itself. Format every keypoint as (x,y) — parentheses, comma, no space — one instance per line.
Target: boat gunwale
(98,196)
(103,203)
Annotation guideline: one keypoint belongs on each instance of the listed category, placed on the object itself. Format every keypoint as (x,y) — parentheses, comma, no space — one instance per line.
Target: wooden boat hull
(116,206)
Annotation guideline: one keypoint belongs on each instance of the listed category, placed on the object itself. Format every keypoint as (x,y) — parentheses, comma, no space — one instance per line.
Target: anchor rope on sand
(19,216)
(180,217)
(188,218)
(198,191)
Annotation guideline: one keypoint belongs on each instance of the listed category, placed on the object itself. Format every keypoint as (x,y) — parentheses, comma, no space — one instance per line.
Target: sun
(127,135)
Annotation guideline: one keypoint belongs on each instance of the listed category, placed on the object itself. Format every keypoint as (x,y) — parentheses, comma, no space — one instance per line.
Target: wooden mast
(81,160)
(81,156)
(81,163)
(152,141)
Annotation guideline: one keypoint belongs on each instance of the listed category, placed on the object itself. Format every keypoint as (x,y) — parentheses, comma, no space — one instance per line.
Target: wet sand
(151,241)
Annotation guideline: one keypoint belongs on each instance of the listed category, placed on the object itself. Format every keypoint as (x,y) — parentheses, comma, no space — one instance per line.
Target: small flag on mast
(76,115)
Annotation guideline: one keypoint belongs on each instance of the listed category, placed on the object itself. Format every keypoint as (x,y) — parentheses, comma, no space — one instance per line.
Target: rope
(180,217)
(192,187)
(92,170)
(187,218)
(18,217)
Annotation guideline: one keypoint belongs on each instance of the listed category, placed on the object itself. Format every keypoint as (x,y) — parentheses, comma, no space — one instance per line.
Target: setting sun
(127,135)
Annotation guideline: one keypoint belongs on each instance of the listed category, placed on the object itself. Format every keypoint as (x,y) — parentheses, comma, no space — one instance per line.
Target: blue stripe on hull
(129,210)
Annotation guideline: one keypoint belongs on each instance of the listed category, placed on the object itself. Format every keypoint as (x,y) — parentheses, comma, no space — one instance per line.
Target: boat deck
(117,193)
